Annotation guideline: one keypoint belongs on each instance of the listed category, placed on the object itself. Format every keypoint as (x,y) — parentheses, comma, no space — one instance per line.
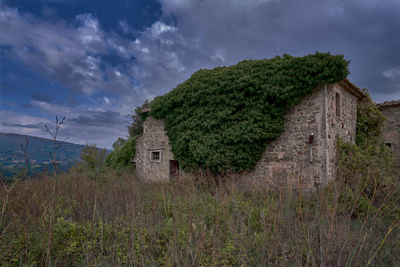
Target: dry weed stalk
(27,156)
(53,158)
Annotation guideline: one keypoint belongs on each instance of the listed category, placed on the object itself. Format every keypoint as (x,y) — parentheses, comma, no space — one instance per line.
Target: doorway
(173,168)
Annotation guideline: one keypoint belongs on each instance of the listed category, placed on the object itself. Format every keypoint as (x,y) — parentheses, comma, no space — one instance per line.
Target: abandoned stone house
(303,156)
(391,132)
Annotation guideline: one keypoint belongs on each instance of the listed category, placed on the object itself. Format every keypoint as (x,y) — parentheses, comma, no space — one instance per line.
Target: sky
(94,61)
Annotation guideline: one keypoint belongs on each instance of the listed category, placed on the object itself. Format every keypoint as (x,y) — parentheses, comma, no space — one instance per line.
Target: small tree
(136,127)
(123,155)
(120,141)
(93,157)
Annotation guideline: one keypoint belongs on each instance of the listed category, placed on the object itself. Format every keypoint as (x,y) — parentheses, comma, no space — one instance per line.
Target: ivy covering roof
(223,118)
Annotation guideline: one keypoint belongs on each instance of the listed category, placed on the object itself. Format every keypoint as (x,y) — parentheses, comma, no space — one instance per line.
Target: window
(388,144)
(337,99)
(156,155)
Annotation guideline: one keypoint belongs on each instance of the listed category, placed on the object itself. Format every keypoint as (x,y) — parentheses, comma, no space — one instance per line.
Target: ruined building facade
(391,131)
(303,156)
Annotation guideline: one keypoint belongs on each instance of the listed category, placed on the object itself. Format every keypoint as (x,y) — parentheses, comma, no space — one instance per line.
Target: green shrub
(370,122)
(223,118)
(123,155)
(367,167)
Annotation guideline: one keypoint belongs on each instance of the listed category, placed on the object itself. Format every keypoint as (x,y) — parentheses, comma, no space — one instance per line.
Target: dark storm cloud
(366,32)
(100,118)
(191,35)
(207,34)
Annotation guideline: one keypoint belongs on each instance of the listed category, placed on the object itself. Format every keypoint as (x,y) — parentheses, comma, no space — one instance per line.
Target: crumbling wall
(391,131)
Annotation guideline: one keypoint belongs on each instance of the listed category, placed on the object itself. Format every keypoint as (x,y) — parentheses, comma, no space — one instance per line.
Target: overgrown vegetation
(107,217)
(136,128)
(98,216)
(124,150)
(367,168)
(116,220)
(122,156)
(223,118)
(370,122)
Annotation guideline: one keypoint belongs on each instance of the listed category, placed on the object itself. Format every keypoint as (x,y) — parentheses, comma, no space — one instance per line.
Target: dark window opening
(337,97)
(173,168)
(156,155)
(388,144)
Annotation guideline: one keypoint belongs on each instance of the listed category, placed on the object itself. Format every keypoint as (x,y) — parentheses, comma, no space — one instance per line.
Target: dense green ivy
(223,118)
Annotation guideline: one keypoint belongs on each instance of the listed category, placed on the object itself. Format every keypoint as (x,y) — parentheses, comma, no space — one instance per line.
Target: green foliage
(92,157)
(367,167)
(369,176)
(120,141)
(223,118)
(136,128)
(370,122)
(122,155)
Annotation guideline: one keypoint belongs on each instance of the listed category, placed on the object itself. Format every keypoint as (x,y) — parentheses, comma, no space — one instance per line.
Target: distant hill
(12,158)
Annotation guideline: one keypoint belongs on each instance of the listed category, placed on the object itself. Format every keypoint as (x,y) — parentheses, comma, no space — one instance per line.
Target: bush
(370,122)
(367,168)
(122,156)
(223,118)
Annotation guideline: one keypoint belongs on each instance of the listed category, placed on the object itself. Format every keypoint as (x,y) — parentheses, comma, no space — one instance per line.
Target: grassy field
(109,218)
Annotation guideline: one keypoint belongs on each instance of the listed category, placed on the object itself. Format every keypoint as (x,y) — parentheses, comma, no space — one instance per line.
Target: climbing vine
(223,118)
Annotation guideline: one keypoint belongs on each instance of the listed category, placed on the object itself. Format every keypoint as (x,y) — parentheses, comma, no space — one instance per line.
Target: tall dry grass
(110,218)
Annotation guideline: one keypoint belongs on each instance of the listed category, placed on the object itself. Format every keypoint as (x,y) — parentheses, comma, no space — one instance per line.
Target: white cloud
(123,24)
(67,53)
(158,28)
(13,122)
(51,109)
(392,73)
(106,100)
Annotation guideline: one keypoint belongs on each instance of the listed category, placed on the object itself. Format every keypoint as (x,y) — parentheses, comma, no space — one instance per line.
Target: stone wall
(153,139)
(391,132)
(341,125)
(291,160)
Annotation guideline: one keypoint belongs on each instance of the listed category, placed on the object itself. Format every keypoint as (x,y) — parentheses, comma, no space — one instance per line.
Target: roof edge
(352,88)
(388,104)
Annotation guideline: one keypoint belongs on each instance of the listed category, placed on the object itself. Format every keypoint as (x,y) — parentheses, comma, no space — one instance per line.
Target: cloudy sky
(94,61)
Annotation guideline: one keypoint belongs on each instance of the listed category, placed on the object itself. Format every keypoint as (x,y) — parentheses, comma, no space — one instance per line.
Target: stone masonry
(303,156)
(152,140)
(391,132)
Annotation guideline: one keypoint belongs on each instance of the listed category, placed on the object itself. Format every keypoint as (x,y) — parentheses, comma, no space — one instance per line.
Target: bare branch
(62,142)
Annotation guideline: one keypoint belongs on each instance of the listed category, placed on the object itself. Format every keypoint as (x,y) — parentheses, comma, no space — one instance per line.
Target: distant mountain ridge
(12,158)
